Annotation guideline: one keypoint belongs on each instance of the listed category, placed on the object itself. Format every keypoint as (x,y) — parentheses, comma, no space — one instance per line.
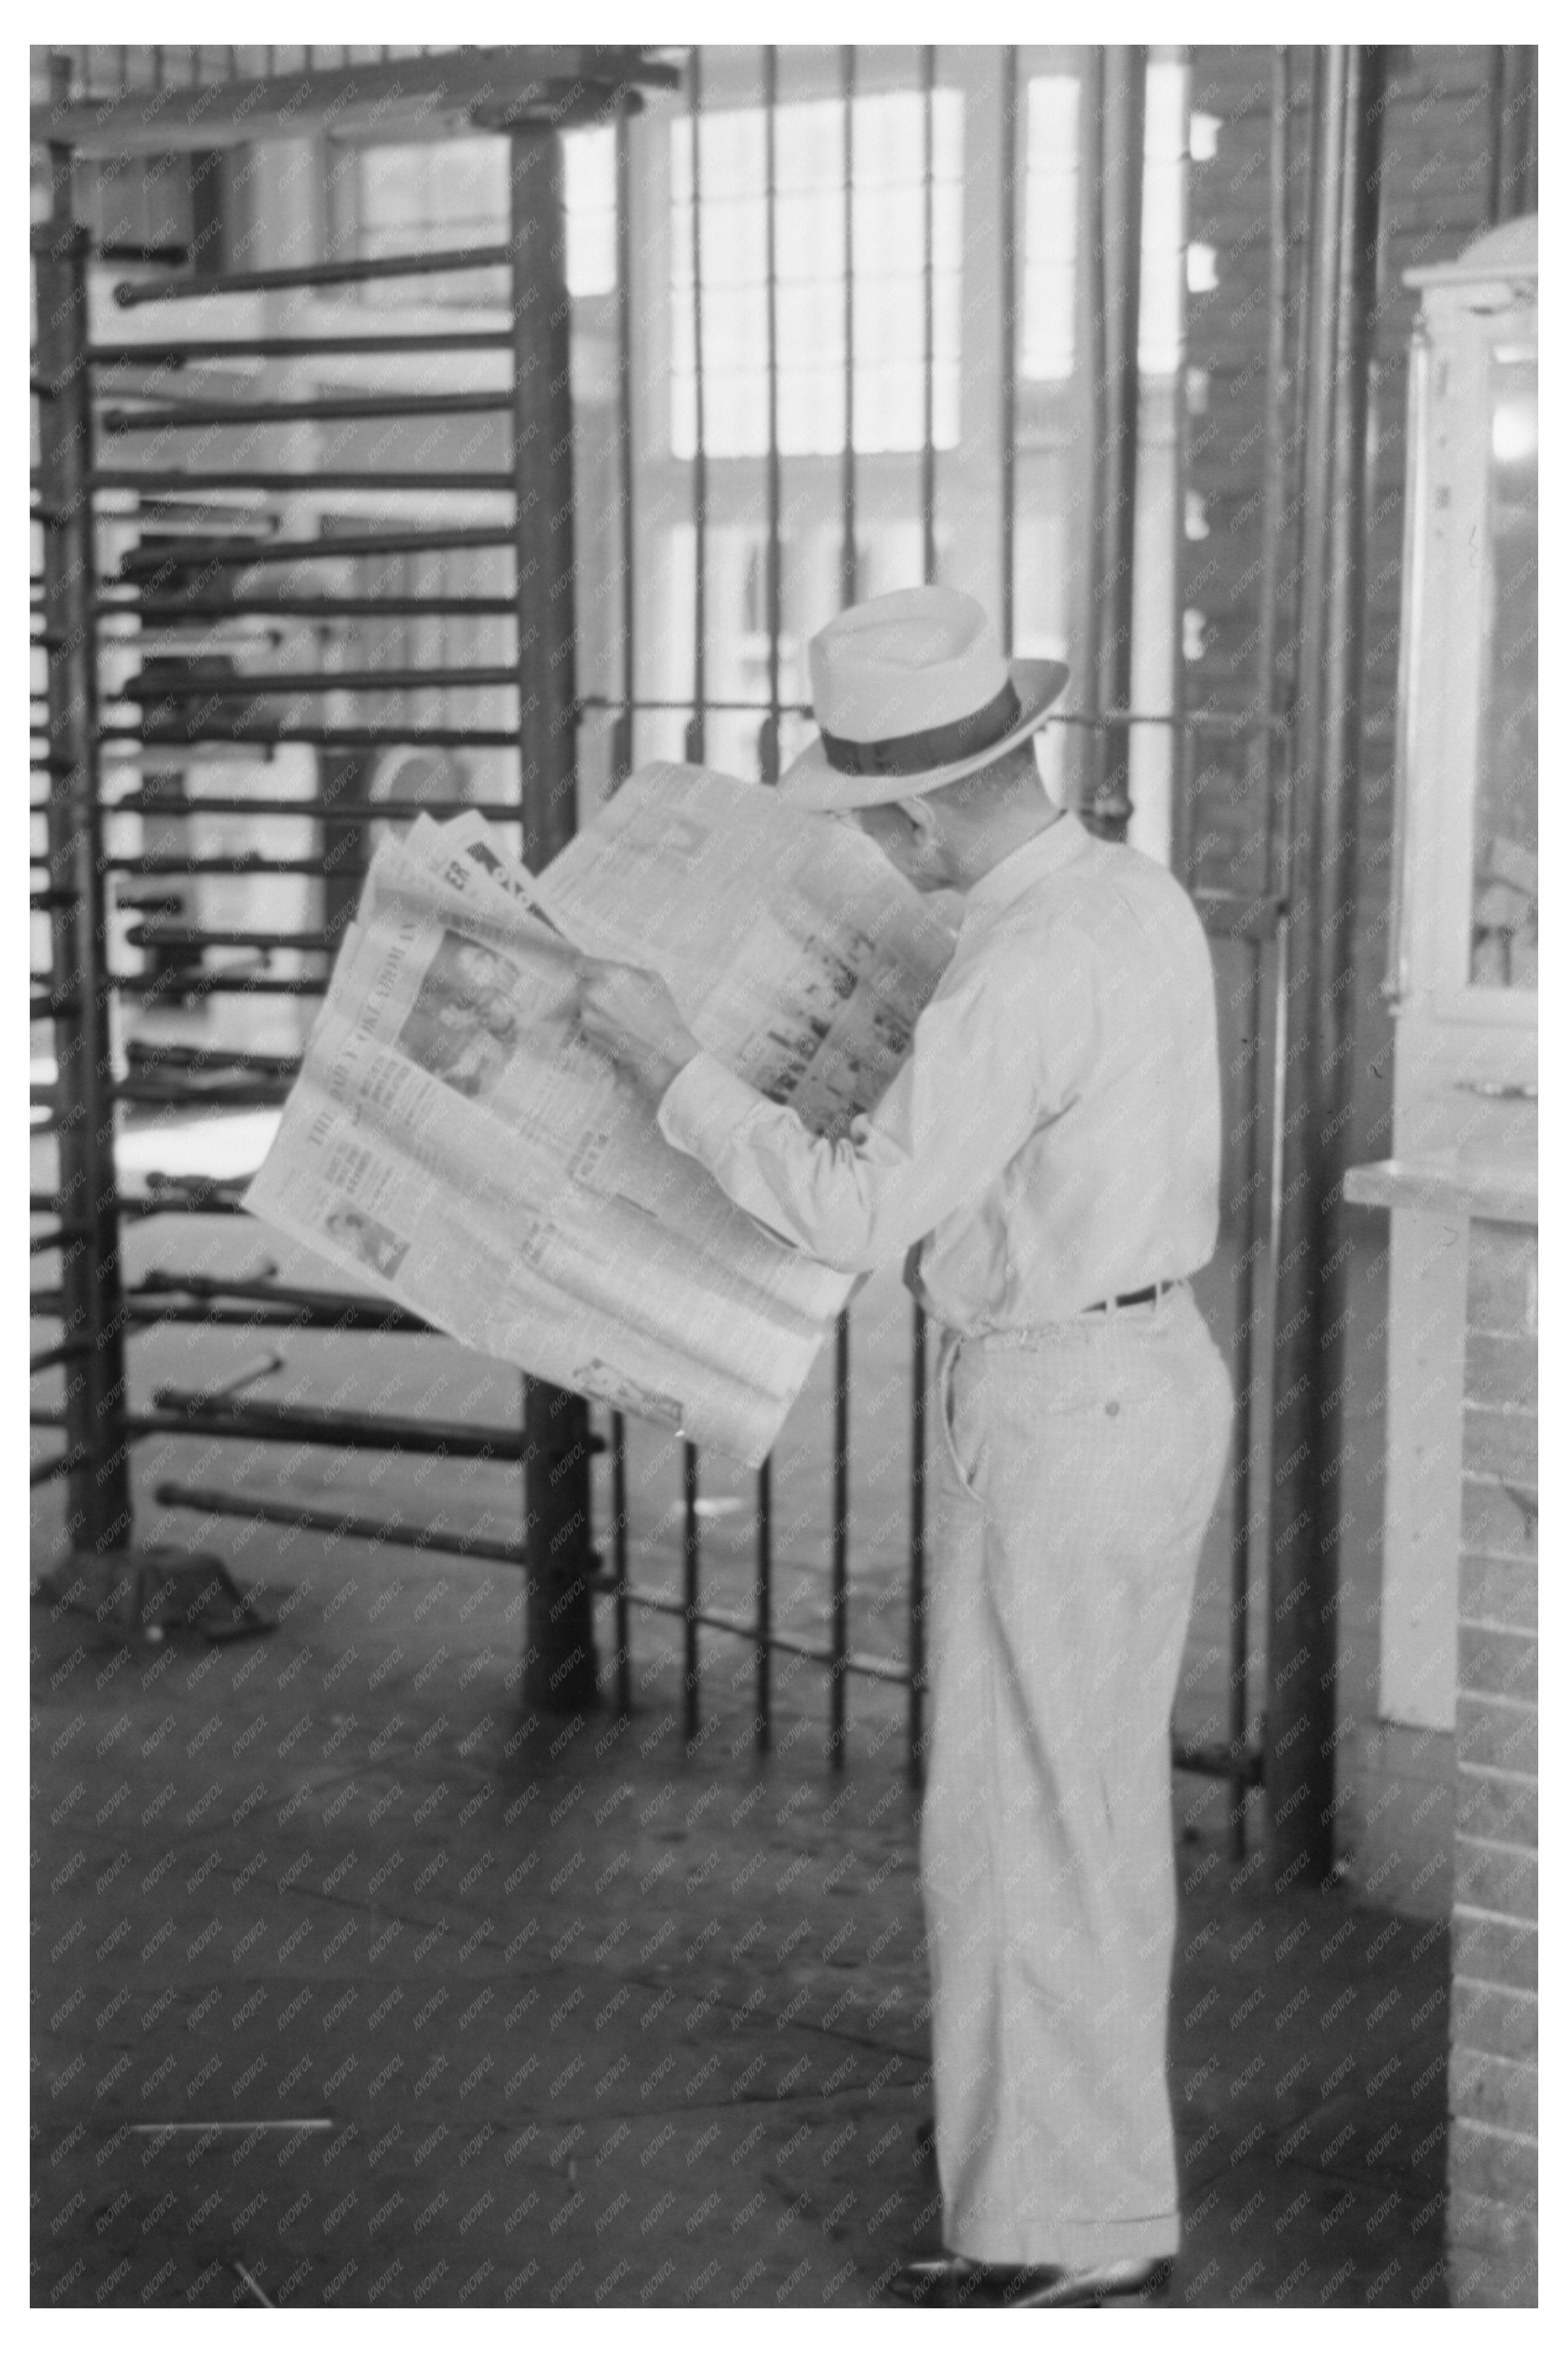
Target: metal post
(847,570)
(848,552)
(838,1692)
(1010,298)
(768,750)
(96,1442)
(916,1733)
(618,1560)
(916,1728)
(1320,942)
(1514,174)
(768,747)
(562,1671)
(1253,1263)
(928,314)
(623,736)
(690,1587)
(697,729)
(765,1607)
(1115,273)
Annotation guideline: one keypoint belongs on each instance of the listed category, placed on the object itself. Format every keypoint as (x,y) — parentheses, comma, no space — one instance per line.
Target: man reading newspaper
(454,1139)
(1049,1155)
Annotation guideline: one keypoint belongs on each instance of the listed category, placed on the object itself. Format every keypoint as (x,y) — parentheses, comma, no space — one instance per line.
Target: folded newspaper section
(454,1140)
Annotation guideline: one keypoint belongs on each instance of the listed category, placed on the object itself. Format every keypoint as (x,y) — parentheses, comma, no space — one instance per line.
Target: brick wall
(1492,2067)
(1435,184)
(1435,190)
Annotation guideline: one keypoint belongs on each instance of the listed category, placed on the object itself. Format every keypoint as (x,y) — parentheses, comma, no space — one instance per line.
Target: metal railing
(97,1312)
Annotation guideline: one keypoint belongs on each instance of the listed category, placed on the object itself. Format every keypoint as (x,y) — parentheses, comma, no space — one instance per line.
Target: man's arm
(971,1093)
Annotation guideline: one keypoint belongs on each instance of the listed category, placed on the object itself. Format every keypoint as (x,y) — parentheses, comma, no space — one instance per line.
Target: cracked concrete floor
(353,1984)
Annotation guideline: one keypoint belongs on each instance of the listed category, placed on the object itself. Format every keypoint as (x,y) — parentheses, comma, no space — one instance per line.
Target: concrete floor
(483,2011)
(446,2005)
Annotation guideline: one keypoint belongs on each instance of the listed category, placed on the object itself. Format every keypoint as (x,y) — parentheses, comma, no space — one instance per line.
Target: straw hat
(910,692)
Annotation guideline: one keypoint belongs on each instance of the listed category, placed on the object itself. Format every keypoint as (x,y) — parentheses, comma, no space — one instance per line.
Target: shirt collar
(1042,854)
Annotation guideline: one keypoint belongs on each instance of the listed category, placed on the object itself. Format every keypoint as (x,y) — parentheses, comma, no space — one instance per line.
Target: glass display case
(1463,969)
(1503,892)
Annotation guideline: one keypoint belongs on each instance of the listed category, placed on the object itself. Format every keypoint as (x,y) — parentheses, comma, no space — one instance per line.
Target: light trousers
(1079,1465)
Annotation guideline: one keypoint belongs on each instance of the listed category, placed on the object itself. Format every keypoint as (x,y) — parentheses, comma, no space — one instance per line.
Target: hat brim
(811,782)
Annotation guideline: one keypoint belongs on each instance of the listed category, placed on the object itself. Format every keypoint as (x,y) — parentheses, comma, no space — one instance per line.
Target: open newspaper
(455,1141)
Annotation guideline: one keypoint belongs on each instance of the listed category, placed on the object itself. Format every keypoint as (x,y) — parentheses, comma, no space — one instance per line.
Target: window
(1164,221)
(431,194)
(589,176)
(1048,344)
(886,170)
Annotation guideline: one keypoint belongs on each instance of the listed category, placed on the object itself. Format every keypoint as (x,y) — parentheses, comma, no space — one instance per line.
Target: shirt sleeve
(977,1084)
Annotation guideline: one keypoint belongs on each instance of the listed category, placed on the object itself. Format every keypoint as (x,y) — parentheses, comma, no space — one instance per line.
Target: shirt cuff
(704,1107)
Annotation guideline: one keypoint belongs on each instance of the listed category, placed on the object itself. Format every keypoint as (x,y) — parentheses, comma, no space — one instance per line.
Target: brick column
(1492,2199)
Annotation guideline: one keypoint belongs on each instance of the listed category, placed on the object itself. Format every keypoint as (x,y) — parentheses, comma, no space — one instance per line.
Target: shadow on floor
(352,1985)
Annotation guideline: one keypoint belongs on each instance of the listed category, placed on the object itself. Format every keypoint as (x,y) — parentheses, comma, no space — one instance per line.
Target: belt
(1127,1299)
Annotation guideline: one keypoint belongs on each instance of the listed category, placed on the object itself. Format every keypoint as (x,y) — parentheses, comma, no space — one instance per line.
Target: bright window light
(1049,339)
(1203,269)
(430,193)
(1048,344)
(889,235)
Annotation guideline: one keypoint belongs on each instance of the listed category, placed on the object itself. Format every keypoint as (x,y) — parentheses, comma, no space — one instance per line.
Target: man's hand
(632,1018)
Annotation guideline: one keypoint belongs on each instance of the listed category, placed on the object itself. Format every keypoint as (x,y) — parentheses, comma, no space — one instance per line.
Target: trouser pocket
(946,1368)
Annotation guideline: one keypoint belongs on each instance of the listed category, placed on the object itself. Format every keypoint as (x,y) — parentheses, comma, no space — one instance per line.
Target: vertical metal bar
(1261,783)
(1247,1291)
(928,314)
(1252,1262)
(1319,995)
(1514,175)
(847,570)
(840,1637)
(1009,329)
(623,742)
(774,568)
(99,1491)
(697,729)
(621,759)
(691,1587)
(765,1607)
(561,1672)
(1288,654)
(848,559)
(1115,265)
(916,1742)
(1084,747)
(918,1337)
(1182,793)
(619,1548)
(769,762)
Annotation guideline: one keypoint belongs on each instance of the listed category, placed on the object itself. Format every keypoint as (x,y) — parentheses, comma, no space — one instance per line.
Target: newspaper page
(454,1139)
(795,951)
(455,1142)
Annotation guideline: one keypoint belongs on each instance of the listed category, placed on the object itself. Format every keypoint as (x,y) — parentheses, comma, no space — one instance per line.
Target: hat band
(930,747)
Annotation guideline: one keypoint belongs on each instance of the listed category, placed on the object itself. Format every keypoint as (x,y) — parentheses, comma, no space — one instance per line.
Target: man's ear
(920,817)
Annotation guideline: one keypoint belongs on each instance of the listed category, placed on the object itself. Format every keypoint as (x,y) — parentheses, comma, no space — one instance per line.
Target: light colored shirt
(1053,1138)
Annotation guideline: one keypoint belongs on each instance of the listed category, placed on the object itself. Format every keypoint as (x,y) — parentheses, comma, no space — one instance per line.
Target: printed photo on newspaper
(452,1141)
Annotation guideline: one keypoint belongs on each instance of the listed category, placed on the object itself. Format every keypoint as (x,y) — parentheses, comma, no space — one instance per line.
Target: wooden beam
(361,98)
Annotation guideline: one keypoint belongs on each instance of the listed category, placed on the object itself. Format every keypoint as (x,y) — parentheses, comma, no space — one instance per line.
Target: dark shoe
(1138,2281)
(952,2283)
